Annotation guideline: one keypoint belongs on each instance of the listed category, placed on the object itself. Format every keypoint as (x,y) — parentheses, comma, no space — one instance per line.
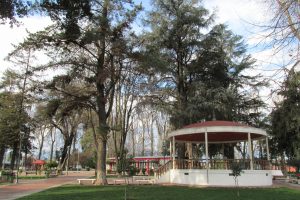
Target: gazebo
(39,164)
(216,172)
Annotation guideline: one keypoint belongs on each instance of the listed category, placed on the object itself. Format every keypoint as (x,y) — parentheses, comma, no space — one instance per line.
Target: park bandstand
(217,172)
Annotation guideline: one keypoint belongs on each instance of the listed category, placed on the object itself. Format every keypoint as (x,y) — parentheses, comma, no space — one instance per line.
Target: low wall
(219,177)
(165,178)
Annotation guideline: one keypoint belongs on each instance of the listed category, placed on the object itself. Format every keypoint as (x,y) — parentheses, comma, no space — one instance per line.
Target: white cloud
(239,15)
(15,35)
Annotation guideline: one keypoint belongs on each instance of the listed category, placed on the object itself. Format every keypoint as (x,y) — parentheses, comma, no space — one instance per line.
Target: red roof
(39,162)
(215,123)
(218,132)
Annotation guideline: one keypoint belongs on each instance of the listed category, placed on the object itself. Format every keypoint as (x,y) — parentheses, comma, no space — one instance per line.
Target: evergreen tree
(285,119)
(12,122)
(197,75)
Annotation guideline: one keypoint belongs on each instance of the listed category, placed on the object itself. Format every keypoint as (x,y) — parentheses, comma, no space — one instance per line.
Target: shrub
(132,170)
(151,172)
(51,164)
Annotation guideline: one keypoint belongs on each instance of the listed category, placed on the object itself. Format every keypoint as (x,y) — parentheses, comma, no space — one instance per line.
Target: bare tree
(41,133)
(283,28)
(121,120)
(53,138)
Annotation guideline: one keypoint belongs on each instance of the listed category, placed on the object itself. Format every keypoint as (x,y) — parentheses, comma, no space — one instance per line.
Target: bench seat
(120,181)
(86,179)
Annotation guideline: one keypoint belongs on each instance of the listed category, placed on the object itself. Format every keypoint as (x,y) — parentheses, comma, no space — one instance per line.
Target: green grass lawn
(75,192)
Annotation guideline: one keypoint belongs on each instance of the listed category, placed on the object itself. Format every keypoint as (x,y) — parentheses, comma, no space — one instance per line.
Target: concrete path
(26,187)
(283,183)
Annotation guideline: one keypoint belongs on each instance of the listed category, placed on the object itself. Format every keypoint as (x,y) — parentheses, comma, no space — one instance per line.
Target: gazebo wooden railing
(215,164)
(221,164)
(163,169)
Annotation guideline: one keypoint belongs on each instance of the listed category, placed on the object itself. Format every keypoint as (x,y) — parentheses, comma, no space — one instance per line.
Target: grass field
(76,192)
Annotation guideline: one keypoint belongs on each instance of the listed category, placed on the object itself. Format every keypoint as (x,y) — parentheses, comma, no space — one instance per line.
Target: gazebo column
(268,151)
(250,151)
(173,151)
(206,155)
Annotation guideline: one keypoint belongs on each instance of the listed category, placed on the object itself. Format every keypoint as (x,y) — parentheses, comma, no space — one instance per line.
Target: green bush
(7,176)
(144,171)
(151,173)
(51,164)
(132,170)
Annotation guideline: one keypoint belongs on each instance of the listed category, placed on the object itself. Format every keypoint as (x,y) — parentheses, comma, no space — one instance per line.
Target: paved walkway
(283,183)
(26,187)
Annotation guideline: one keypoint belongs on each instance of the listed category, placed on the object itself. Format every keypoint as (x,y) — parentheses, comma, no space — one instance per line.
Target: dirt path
(26,187)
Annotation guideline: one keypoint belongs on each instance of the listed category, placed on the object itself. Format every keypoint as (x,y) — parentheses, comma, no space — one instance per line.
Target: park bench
(86,179)
(120,181)
(143,179)
(146,181)
(294,180)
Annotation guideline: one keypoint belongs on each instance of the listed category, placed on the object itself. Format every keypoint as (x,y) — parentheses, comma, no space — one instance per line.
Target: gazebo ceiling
(217,132)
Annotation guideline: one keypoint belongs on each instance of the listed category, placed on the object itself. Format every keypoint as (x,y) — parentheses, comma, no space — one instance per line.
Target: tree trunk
(152,138)
(181,150)
(2,152)
(101,141)
(14,156)
(101,163)
(25,158)
(51,151)
(52,143)
(41,147)
(67,145)
(244,151)
(143,139)
(133,143)
(74,151)
(68,158)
